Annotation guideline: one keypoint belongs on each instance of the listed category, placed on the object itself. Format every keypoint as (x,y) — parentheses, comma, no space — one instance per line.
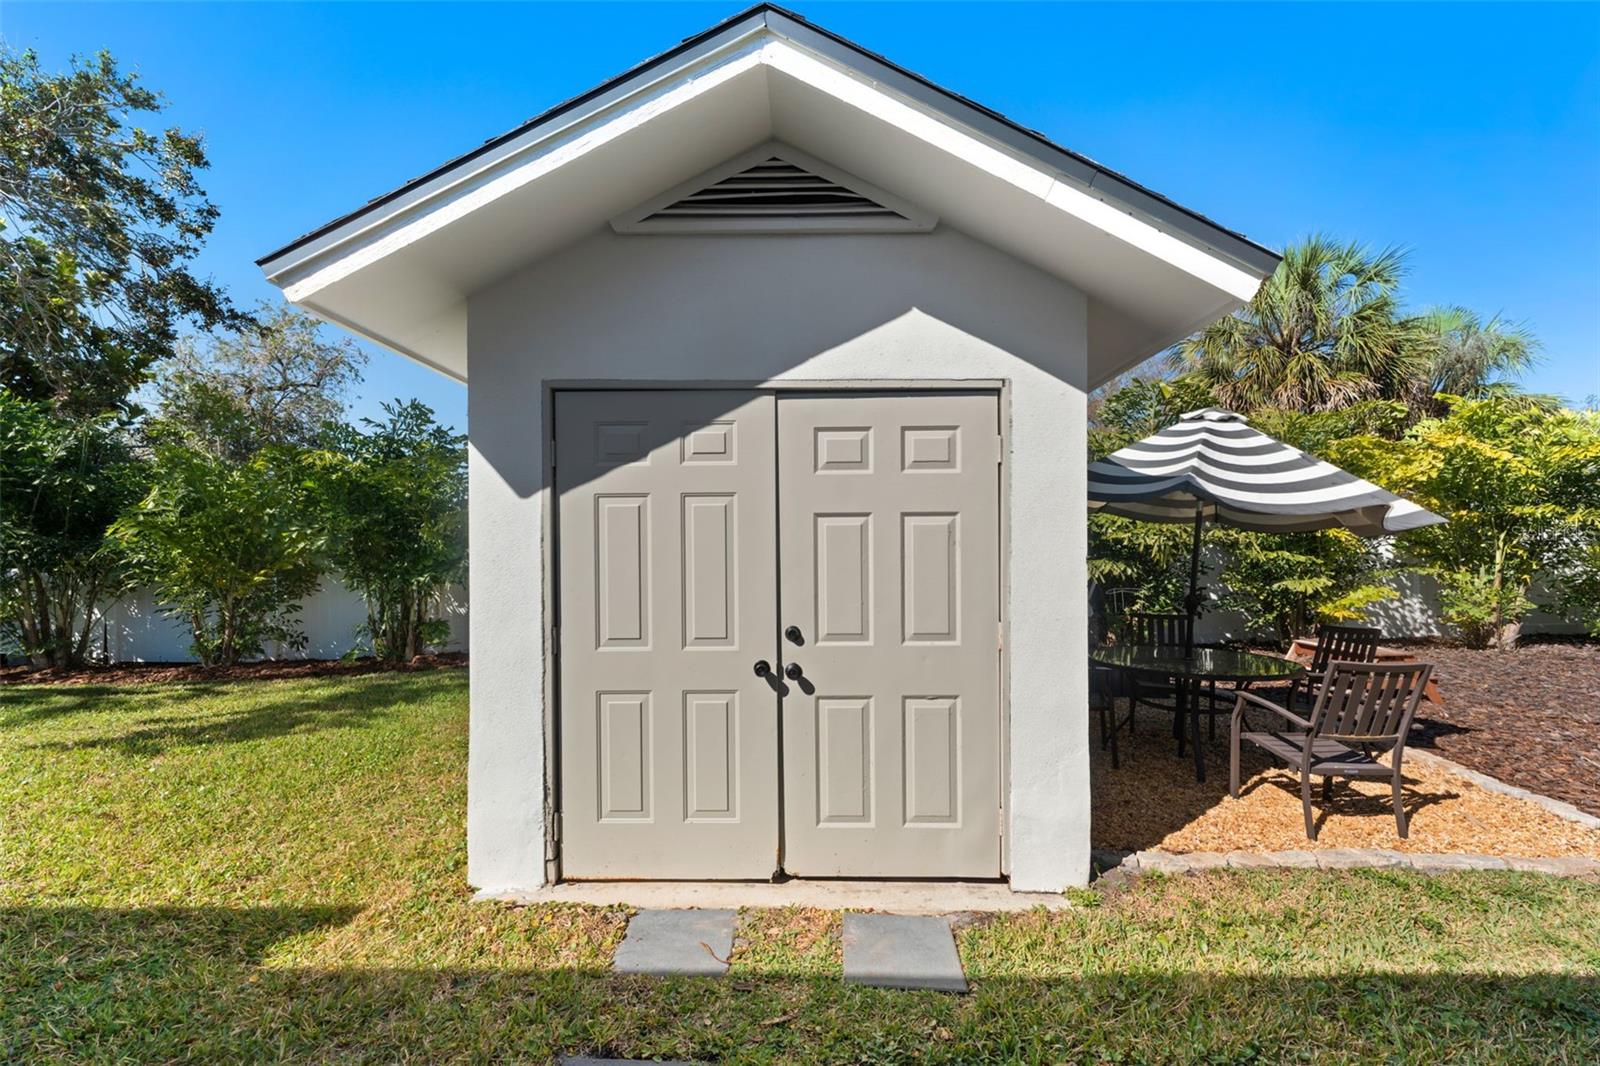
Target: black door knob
(792,635)
(793,671)
(763,668)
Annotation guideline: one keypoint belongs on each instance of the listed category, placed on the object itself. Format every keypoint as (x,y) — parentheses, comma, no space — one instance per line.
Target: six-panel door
(668,740)
(679,511)
(888,530)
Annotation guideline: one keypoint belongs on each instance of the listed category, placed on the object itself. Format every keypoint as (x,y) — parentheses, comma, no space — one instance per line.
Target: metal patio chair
(1360,711)
(1155,630)
(1344,644)
(1171,630)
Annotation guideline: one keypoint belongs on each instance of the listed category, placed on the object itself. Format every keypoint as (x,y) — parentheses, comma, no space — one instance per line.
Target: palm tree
(1323,332)
(1474,358)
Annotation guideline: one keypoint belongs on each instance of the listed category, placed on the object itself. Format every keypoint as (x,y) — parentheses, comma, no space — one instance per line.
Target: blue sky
(1467,134)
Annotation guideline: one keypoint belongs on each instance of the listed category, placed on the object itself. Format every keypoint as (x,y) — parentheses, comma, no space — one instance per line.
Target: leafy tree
(1289,582)
(62,484)
(1579,588)
(1323,332)
(1139,406)
(1150,557)
(1518,482)
(100,219)
(396,509)
(275,384)
(232,546)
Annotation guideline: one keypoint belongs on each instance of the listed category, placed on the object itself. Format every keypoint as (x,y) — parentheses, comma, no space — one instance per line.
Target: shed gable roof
(398,268)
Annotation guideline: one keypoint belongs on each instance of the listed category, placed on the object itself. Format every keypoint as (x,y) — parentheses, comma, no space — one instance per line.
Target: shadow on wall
(185,983)
(631,309)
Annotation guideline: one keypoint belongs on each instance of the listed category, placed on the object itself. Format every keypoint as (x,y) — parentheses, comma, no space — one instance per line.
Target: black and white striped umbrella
(1212,466)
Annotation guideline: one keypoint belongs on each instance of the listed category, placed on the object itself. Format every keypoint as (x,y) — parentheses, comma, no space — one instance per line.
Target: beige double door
(778,634)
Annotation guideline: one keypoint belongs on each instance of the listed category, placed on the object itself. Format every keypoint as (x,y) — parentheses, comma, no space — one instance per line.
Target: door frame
(550,552)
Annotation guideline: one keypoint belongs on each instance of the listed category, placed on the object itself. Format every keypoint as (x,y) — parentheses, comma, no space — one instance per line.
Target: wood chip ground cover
(1153,801)
(1530,717)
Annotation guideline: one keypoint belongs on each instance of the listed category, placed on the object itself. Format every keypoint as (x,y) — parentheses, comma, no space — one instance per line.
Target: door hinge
(999,450)
(552,453)
(999,636)
(556,827)
(555,641)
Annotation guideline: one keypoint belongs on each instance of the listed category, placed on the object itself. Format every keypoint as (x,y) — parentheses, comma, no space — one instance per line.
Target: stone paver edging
(1166,862)
(1557,807)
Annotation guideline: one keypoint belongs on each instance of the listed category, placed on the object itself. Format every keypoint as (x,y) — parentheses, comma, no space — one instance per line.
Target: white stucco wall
(751,309)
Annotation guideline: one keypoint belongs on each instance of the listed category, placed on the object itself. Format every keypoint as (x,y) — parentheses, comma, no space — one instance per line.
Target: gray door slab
(901,951)
(677,942)
(669,737)
(889,540)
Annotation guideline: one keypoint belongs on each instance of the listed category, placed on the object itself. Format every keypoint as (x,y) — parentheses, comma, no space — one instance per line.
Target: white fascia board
(842,84)
(302,272)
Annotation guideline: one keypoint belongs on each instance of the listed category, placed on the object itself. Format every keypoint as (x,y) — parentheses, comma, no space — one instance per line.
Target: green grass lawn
(276,869)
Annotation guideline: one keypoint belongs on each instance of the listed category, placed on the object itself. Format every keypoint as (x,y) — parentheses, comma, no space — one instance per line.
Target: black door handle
(792,635)
(793,671)
(763,668)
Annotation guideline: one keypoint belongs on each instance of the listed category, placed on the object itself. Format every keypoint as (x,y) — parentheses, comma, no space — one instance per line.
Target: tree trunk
(90,595)
(43,652)
(202,639)
(1499,579)
(230,620)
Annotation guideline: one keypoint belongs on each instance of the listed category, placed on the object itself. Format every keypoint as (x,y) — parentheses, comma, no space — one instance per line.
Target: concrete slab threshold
(899,897)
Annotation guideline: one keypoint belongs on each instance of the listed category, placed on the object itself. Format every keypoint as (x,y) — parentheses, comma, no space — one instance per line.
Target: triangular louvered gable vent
(775,189)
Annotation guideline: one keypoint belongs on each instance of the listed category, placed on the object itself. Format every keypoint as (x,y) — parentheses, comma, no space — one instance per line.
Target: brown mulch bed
(159,673)
(1530,716)
(1153,802)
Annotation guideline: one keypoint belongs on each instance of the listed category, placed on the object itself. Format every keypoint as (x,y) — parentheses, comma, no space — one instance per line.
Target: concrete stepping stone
(901,951)
(677,942)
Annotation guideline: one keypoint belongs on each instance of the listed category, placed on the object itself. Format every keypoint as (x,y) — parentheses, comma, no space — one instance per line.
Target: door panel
(668,740)
(888,529)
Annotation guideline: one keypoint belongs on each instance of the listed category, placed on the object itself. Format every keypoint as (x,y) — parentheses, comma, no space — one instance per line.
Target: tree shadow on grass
(171,983)
(261,712)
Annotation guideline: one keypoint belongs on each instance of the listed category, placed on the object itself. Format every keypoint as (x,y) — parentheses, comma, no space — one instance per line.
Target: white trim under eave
(382,342)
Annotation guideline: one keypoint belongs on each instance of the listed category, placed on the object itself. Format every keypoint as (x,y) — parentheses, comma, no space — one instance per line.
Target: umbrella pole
(1191,603)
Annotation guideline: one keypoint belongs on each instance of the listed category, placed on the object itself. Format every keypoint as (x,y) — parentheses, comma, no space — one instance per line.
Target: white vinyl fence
(136,630)
(1414,612)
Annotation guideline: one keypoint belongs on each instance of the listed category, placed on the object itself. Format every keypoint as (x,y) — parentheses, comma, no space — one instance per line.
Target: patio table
(1189,672)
